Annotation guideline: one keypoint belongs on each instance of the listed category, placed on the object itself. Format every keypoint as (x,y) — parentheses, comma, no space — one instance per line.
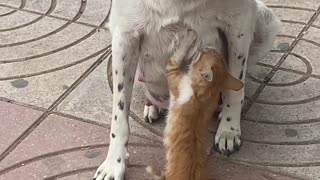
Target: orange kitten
(193,99)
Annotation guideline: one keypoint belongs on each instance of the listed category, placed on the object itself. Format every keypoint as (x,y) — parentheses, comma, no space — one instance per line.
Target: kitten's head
(209,69)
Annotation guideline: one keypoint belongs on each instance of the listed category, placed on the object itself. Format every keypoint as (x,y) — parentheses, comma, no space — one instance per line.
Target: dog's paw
(151,113)
(113,168)
(227,139)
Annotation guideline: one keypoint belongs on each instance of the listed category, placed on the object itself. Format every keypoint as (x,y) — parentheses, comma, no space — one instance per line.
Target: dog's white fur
(140,33)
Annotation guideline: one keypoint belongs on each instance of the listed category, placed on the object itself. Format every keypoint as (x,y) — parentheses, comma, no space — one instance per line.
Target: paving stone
(38,6)
(291,14)
(221,169)
(309,173)
(268,133)
(45,52)
(4,10)
(285,78)
(290,29)
(14,121)
(23,32)
(69,9)
(12,21)
(291,91)
(310,4)
(280,41)
(274,57)
(52,45)
(283,114)
(260,154)
(44,88)
(78,176)
(66,145)
(14,3)
(312,35)
(294,62)
(51,60)
(96,11)
(317,22)
(309,52)
(57,134)
(259,72)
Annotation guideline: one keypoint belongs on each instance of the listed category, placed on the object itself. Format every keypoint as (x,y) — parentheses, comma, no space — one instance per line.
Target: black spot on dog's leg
(115,117)
(228,105)
(121,105)
(243,61)
(116,71)
(228,119)
(119,160)
(240,35)
(113,135)
(240,57)
(124,57)
(126,144)
(241,75)
(120,87)
(232,129)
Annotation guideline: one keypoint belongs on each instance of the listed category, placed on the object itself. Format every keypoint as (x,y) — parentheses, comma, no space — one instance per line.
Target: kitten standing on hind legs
(193,99)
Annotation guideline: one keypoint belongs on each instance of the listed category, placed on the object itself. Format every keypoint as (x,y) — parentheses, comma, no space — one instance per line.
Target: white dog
(141,32)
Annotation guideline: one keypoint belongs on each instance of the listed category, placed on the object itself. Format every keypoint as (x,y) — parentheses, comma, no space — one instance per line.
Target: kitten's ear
(232,83)
(207,75)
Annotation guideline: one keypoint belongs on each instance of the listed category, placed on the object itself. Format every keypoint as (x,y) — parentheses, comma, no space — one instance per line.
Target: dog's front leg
(125,54)
(239,37)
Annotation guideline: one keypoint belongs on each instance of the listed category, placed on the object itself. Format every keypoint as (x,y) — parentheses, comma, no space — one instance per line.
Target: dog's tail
(156,175)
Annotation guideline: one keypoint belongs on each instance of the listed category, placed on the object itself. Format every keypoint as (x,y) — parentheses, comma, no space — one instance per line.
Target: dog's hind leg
(266,30)
(125,54)
(151,113)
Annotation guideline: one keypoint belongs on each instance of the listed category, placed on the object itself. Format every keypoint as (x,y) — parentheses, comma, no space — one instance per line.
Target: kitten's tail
(156,175)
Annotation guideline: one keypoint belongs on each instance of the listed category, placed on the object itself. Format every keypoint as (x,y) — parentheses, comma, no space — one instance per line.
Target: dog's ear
(232,83)
(207,75)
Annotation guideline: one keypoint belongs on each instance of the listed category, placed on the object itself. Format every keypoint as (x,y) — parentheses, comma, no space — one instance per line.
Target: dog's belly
(156,50)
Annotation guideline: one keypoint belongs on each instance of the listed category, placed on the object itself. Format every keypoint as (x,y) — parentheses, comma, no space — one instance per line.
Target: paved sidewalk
(55,100)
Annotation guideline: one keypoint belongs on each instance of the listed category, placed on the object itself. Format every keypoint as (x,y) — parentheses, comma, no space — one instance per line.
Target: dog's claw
(216,148)
(236,147)
(227,153)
